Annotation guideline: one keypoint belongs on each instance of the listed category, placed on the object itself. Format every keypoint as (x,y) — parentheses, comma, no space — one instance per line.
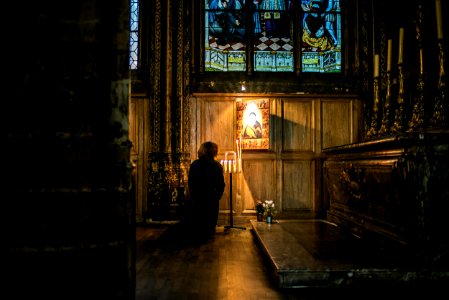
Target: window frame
(250,73)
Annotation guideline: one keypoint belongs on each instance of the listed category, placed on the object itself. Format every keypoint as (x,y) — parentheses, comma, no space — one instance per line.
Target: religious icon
(253,123)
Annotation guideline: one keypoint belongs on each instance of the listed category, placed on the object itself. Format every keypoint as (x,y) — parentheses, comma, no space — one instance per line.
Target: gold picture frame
(253,123)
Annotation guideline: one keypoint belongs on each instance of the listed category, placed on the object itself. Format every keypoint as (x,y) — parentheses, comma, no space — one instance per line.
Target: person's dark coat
(206,187)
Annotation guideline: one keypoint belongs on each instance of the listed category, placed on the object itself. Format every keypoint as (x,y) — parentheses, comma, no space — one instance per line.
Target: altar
(394,190)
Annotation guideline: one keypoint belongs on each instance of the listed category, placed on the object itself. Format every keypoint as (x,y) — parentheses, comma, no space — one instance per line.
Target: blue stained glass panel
(321,36)
(134,34)
(272,30)
(225,35)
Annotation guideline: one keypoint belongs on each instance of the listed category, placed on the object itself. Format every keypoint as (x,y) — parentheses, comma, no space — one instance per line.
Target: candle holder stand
(398,113)
(441,108)
(230,166)
(417,120)
(372,132)
(385,125)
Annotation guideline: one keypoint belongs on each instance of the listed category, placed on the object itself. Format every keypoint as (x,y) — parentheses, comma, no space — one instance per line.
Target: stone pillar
(67,200)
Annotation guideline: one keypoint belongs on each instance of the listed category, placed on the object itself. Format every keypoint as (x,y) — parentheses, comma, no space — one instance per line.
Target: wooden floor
(231,266)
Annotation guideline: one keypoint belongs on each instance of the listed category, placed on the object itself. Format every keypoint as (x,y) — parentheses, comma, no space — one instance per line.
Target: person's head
(208,150)
(252,117)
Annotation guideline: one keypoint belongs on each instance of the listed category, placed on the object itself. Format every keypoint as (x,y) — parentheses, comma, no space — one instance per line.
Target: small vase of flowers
(269,210)
(259,210)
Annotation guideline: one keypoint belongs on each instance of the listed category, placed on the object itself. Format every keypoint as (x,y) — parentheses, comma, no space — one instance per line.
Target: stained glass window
(273,42)
(272,25)
(321,36)
(225,46)
(134,35)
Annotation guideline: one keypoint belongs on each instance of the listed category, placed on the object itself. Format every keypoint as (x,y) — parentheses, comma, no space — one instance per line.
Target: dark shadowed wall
(67,205)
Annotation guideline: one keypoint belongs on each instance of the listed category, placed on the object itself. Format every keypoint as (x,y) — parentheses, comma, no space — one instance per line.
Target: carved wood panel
(218,119)
(258,182)
(138,131)
(336,123)
(297,124)
(288,171)
(298,185)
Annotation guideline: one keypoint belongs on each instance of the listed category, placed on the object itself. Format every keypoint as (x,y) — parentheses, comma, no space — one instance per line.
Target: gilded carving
(169,115)
(351,180)
(417,120)
(441,109)
(372,132)
(398,114)
(385,126)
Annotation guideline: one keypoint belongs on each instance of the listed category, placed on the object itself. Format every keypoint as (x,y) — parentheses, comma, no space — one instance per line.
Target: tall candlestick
(421,61)
(390,46)
(376,65)
(240,148)
(439,19)
(237,147)
(240,155)
(401,44)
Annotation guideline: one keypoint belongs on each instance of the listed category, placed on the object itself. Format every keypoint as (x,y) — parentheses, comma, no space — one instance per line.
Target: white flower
(269,203)
(269,207)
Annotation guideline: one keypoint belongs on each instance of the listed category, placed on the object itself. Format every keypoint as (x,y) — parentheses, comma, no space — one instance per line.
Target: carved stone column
(170,123)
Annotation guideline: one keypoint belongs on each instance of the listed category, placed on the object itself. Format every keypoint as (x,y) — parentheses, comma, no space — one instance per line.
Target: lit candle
(401,44)
(376,65)
(390,46)
(234,166)
(240,142)
(238,149)
(225,165)
(439,19)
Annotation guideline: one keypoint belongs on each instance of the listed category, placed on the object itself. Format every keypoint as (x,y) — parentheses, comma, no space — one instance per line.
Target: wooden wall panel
(133,127)
(287,172)
(336,123)
(258,182)
(138,131)
(297,125)
(218,120)
(298,185)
